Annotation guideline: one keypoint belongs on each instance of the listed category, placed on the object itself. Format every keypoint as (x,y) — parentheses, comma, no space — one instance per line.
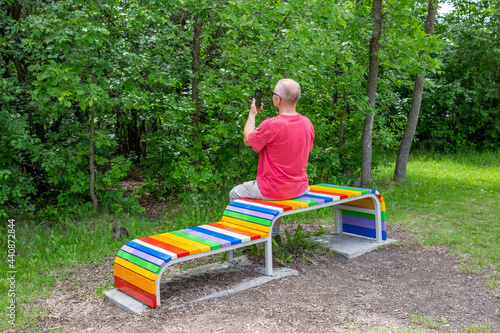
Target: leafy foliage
(131,64)
(461,107)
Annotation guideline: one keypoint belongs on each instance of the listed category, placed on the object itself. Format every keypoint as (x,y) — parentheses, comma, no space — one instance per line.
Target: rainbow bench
(140,263)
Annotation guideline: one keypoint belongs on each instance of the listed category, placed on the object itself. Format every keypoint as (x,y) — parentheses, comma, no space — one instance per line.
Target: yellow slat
(184,246)
(133,267)
(252,230)
(202,247)
(247,224)
(136,279)
(294,204)
(349,194)
(366,204)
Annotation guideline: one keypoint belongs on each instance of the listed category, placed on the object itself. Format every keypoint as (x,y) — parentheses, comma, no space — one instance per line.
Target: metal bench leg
(269,257)
(338,220)
(230,257)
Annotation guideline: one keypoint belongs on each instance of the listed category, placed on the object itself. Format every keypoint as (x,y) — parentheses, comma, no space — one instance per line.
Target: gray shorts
(249,190)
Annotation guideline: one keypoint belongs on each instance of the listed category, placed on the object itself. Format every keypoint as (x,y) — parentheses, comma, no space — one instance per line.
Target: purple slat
(221,241)
(361,222)
(143,255)
(251,212)
(319,201)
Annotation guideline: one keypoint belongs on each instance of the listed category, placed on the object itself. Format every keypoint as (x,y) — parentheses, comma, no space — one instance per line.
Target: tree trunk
(366,152)
(195,97)
(91,162)
(416,102)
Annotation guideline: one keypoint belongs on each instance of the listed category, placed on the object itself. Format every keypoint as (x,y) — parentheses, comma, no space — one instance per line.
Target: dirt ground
(397,286)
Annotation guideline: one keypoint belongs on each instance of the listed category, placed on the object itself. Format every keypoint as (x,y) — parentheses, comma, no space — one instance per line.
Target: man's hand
(254,109)
(250,125)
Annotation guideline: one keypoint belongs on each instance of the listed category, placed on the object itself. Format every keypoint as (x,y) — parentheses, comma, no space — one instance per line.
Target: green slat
(363,215)
(248,218)
(213,245)
(310,202)
(140,262)
(345,188)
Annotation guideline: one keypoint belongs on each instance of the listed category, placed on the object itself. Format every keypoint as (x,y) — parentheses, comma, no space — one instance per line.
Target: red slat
(341,195)
(165,246)
(262,202)
(135,292)
(239,231)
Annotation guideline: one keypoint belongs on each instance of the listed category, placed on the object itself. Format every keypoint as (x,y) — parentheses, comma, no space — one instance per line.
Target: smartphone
(258,97)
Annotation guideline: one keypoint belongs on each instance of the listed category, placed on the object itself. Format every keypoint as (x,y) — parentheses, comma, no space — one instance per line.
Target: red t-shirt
(284,143)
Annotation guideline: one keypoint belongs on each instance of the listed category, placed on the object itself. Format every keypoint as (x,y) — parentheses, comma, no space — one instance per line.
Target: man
(284,143)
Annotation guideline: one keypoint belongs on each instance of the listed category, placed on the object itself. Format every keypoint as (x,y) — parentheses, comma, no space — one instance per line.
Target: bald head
(288,90)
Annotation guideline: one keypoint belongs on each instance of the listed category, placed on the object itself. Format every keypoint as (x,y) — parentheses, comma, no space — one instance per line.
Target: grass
(446,200)
(451,201)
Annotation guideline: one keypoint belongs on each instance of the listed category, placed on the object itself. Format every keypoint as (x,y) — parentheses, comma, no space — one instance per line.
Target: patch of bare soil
(381,289)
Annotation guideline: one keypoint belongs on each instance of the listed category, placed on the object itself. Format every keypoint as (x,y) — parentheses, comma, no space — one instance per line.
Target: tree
(366,162)
(406,142)
(461,105)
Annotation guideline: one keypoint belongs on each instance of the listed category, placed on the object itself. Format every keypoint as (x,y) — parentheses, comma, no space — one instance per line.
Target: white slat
(156,248)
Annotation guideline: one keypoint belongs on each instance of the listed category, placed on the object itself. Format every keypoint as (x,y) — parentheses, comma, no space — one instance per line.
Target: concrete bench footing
(350,246)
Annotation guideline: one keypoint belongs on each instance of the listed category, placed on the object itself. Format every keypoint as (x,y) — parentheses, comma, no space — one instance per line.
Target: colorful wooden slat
(354,188)
(136,292)
(252,234)
(335,196)
(158,254)
(326,190)
(269,203)
(250,229)
(251,212)
(139,262)
(360,221)
(221,241)
(308,202)
(172,235)
(135,278)
(292,203)
(247,224)
(357,191)
(262,234)
(167,247)
(350,192)
(317,200)
(214,233)
(233,237)
(248,218)
(254,207)
(260,204)
(135,268)
(352,229)
(365,204)
(326,198)
(143,255)
(169,240)
(363,215)
(211,244)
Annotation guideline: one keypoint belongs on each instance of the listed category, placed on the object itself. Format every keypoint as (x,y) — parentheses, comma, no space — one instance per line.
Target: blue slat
(317,200)
(352,229)
(354,188)
(150,251)
(233,240)
(257,209)
(327,199)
